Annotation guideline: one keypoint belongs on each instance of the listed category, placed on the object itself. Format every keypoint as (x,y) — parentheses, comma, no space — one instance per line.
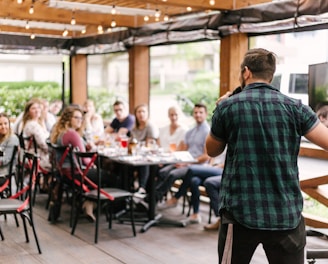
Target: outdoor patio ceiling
(98,26)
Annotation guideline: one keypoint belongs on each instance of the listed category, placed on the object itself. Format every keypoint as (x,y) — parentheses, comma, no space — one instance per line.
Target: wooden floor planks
(160,244)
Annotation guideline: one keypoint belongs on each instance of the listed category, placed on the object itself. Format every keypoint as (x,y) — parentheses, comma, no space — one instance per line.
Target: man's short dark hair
(261,62)
(118,102)
(200,105)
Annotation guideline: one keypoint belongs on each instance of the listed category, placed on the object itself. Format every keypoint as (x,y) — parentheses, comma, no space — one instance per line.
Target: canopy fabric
(269,18)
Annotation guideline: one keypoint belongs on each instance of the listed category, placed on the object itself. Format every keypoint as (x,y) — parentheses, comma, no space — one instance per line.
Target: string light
(113,10)
(146,18)
(65,33)
(73,21)
(19,2)
(27,26)
(83,31)
(157,13)
(31,10)
(32,36)
(212,2)
(113,23)
(100,29)
(189,8)
(166,17)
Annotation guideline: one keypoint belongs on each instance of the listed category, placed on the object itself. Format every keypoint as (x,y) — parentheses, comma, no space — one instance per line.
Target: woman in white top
(143,131)
(171,136)
(93,122)
(33,125)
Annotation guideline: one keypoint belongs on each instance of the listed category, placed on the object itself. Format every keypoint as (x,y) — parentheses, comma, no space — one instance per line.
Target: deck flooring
(160,244)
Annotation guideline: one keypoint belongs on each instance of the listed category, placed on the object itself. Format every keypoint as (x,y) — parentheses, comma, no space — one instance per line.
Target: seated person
(198,175)
(123,121)
(32,125)
(171,136)
(212,187)
(322,113)
(55,107)
(93,122)
(48,118)
(68,131)
(194,142)
(8,140)
(144,131)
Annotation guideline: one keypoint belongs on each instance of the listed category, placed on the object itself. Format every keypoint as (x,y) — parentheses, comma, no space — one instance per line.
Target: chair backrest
(83,169)
(28,172)
(28,143)
(59,155)
(7,186)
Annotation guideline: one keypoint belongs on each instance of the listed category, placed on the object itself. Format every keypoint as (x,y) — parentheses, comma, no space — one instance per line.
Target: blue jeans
(196,176)
(212,186)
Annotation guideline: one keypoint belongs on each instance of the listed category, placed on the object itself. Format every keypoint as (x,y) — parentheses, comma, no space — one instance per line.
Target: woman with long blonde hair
(8,141)
(68,131)
(33,125)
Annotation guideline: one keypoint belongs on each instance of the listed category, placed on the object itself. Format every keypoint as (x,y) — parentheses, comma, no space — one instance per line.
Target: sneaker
(192,220)
(141,193)
(166,205)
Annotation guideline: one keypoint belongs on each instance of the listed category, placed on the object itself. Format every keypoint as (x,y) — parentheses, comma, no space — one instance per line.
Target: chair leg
(16,220)
(210,215)
(132,216)
(1,234)
(25,228)
(97,222)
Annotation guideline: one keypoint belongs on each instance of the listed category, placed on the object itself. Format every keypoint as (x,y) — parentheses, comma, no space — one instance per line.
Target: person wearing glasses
(123,122)
(69,131)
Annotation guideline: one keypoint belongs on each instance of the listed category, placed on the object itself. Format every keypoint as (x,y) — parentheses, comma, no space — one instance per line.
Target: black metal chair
(103,197)
(61,180)
(21,202)
(29,144)
(313,254)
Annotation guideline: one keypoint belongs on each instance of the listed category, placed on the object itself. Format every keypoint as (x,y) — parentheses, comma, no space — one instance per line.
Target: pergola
(80,28)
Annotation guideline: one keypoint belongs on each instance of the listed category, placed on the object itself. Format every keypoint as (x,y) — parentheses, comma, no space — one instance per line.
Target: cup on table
(124,145)
(173,147)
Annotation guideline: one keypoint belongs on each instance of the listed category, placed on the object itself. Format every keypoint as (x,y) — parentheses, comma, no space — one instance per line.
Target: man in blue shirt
(260,197)
(123,122)
(195,143)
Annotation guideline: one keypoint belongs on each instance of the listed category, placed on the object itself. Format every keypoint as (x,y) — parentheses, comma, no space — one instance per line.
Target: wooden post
(139,76)
(233,49)
(78,79)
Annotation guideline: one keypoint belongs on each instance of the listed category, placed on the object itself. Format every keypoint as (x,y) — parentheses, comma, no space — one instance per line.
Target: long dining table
(153,160)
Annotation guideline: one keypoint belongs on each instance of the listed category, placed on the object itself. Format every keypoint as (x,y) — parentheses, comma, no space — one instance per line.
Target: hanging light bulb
(73,21)
(156,19)
(32,36)
(166,17)
(113,10)
(83,31)
(100,29)
(146,18)
(31,10)
(19,2)
(113,23)
(65,33)
(27,25)
(189,8)
(212,2)
(157,13)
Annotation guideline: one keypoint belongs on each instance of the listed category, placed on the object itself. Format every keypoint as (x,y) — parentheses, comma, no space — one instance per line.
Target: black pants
(281,247)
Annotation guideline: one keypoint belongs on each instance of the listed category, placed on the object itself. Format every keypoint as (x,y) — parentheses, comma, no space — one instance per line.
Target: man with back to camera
(261,201)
